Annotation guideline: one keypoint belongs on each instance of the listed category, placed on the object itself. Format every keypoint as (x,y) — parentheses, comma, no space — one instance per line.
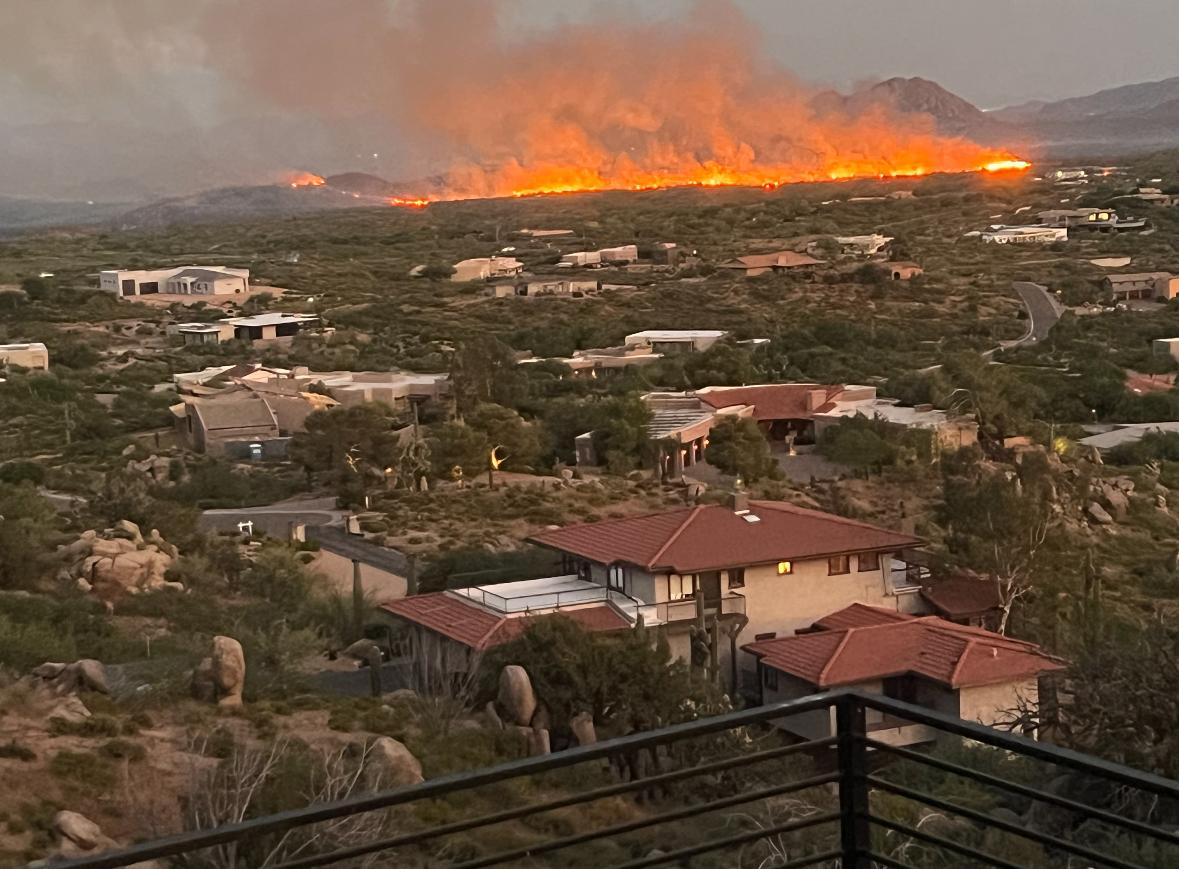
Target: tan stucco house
(958,670)
(32,355)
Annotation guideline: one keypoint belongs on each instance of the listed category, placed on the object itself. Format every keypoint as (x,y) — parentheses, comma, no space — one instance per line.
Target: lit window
(737,577)
(838,564)
(680,587)
(868,561)
(785,567)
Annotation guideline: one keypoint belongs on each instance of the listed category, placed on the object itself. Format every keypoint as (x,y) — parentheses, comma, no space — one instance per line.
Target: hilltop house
(1101,219)
(903,270)
(178,280)
(246,420)
(675,340)
(260,327)
(486,267)
(863,245)
(788,414)
(1147,285)
(533,288)
(758,569)
(958,670)
(30,355)
(1023,235)
(752,265)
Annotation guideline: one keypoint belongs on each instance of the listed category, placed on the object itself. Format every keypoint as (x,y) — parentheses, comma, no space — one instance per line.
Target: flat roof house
(675,340)
(545,287)
(485,268)
(246,421)
(1024,235)
(33,355)
(972,673)
(260,327)
(1145,285)
(178,280)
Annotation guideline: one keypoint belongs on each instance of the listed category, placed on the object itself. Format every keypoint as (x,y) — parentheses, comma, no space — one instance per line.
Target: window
(868,561)
(584,571)
(680,587)
(737,577)
(785,568)
(769,677)
(616,576)
(838,564)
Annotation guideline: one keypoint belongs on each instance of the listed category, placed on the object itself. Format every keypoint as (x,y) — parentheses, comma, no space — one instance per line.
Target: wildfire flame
(304,179)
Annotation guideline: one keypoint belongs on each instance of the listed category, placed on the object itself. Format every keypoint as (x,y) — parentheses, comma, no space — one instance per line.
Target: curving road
(1043,312)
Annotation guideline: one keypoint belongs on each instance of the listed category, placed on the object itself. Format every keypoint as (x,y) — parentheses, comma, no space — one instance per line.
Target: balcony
(684,610)
(731,791)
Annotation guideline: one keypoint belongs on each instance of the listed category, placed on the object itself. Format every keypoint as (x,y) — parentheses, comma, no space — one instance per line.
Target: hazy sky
(992,52)
(140,97)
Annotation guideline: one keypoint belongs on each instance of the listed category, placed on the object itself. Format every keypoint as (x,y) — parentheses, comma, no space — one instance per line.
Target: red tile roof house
(955,669)
(762,568)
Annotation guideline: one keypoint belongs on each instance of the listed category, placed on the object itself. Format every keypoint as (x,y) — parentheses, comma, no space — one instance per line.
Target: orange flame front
(304,179)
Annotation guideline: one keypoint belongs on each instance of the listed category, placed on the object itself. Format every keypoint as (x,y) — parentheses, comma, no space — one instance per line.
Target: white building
(675,340)
(32,356)
(1024,235)
(178,280)
(486,267)
(865,245)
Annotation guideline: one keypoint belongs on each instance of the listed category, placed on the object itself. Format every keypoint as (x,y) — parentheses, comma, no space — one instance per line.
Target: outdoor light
(785,567)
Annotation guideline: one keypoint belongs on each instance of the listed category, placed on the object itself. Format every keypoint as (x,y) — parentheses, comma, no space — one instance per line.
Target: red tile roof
(713,537)
(959,597)
(479,628)
(776,400)
(896,644)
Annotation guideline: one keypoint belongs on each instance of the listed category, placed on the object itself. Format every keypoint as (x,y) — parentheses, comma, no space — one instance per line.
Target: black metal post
(854,828)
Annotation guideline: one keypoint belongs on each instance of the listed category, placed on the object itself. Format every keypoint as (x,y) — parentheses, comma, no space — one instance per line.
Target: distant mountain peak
(922,95)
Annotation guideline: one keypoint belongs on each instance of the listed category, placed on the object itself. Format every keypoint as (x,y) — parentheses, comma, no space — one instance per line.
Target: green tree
(858,442)
(737,446)
(468,444)
(621,437)
(484,370)
(27,529)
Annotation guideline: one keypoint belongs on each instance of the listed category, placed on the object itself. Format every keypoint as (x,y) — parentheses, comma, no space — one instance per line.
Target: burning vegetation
(628,104)
(304,179)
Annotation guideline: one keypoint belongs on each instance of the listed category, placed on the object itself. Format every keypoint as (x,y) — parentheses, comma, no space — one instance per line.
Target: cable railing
(737,790)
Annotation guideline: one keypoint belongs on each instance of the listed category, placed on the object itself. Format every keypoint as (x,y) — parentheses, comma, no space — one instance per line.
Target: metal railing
(733,790)
(685,609)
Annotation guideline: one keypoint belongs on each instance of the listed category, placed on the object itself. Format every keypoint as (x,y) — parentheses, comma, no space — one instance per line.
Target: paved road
(1043,312)
(275,519)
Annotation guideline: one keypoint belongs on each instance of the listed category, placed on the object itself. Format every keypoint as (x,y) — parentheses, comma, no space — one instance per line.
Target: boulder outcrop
(228,663)
(118,560)
(516,699)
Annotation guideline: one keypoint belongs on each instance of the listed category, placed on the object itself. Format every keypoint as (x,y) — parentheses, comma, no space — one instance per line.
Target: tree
(468,444)
(27,526)
(436,271)
(621,438)
(1002,403)
(860,443)
(484,370)
(998,525)
(738,447)
(354,443)
(37,289)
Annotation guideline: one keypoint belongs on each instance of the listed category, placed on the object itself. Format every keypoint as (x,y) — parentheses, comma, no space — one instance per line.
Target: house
(679,427)
(1127,433)
(667,253)
(253,421)
(863,245)
(625,253)
(1098,219)
(581,259)
(903,271)
(397,389)
(33,355)
(178,280)
(537,287)
(1024,235)
(485,268)
(965,600)
(972,673)
(259,327)
(675,340)
(602,361)
(948,431)
(753,265)
(458,625)
(760,569)
(1159,346)
(1146,285)
(543,233)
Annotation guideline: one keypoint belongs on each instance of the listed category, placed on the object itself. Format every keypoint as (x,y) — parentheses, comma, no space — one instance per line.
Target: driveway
(1043,312)
(276,519)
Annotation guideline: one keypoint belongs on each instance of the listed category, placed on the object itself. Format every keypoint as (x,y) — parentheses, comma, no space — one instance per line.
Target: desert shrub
(94,726)
(13,750)
(83,769)
(122,749)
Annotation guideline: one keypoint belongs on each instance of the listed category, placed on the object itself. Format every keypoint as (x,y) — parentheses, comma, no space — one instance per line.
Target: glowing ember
(304,179)
(1006,166)
(408,201)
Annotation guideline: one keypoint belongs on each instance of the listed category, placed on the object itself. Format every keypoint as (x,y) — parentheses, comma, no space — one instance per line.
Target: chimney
(815,398)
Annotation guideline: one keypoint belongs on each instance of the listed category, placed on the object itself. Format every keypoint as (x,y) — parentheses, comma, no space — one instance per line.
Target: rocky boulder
(228,670)
(391,765)
(84,675)
(1099,514)
(582,725)
(119,560)
(516,699)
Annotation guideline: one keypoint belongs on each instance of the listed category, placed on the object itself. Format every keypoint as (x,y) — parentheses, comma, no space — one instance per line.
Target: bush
(83,769)
(122,749)
(95,725)
(14,750)
(737,447)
